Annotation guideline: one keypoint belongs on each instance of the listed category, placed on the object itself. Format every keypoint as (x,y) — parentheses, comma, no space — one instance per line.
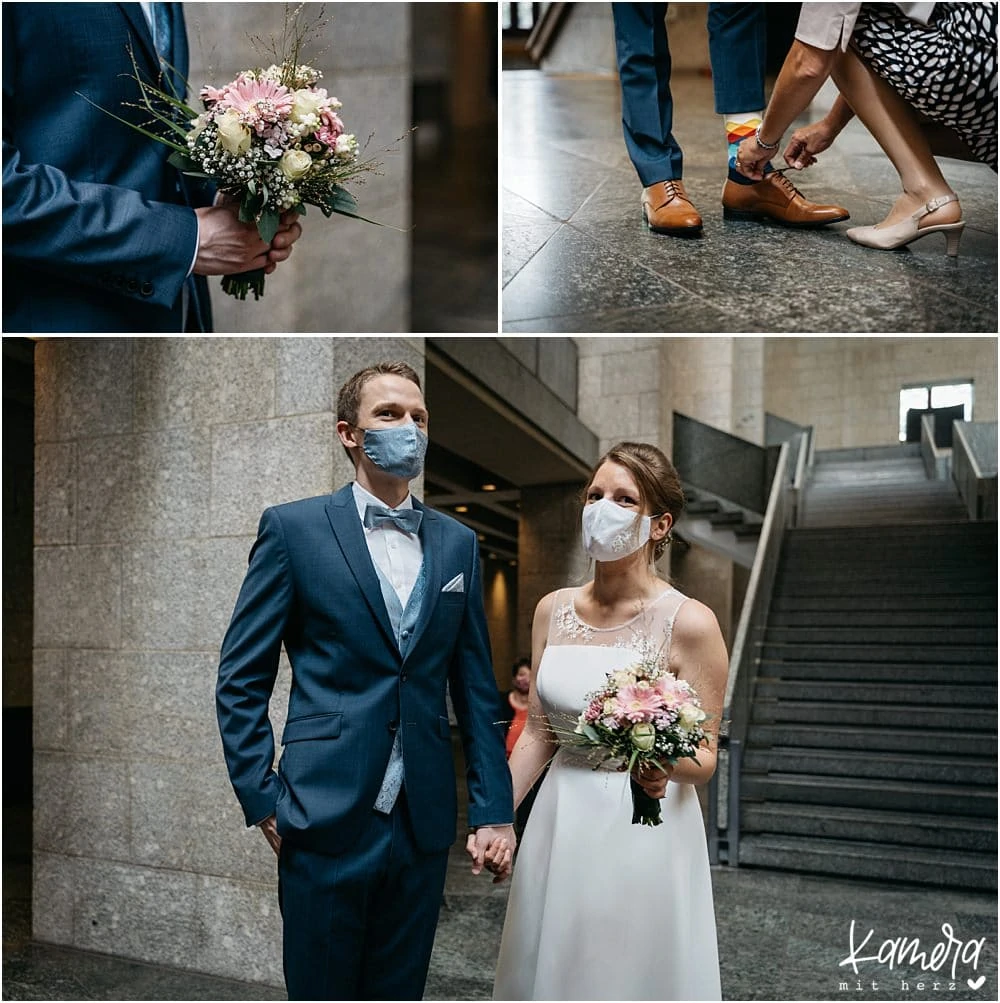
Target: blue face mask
(398,450)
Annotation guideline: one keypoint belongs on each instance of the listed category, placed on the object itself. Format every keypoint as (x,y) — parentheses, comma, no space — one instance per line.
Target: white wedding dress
(599,908)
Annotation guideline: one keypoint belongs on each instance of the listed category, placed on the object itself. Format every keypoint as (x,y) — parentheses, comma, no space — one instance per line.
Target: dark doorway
(18,538)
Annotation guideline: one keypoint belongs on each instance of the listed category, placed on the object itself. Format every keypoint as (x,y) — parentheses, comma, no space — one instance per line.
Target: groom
(100,233)
(377,602)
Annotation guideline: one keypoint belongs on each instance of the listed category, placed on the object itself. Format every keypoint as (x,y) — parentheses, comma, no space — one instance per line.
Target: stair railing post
(733,827)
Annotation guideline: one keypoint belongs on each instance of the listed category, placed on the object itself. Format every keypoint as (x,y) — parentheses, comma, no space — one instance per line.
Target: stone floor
(781,937)
(576,257)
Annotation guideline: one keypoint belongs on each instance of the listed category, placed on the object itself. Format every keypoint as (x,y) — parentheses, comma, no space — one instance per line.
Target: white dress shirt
(396,553)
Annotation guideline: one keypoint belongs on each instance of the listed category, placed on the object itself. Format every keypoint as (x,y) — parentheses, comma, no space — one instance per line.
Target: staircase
(872,747)
(719,525)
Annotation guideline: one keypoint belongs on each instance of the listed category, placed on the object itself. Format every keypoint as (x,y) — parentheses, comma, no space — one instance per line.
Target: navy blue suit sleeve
(248,667)
(476,701)
(87,231)
(74,222)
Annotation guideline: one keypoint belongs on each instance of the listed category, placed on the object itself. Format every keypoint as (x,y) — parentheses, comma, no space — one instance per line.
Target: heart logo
(978,982)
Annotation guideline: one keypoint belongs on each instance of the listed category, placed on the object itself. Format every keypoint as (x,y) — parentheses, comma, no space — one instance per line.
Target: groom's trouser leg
(360,925)
(737,45)
(647,107)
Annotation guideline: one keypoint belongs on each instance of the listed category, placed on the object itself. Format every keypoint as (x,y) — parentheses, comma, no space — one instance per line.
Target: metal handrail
(724,787)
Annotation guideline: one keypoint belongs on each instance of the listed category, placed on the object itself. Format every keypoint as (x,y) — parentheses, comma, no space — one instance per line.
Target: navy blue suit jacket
(98,230)
(311,585)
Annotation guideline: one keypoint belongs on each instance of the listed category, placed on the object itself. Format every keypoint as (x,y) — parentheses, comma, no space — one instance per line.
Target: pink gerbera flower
(259,102)
(639,703)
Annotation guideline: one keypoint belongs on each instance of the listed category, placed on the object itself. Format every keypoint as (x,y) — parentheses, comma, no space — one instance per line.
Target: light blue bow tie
(406,519)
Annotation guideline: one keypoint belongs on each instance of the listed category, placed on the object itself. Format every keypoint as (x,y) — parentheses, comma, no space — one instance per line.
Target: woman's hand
(806,143)
(752,158)
(652,777)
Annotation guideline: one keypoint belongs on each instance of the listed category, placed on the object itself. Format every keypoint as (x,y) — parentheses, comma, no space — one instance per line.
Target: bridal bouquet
(271,139)
(643,714)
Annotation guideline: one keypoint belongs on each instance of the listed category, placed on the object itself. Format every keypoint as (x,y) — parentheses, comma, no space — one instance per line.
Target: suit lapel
(430,538)
(145,50)
(346,526)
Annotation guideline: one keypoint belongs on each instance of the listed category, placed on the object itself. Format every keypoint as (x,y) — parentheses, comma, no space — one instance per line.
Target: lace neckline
(646,607)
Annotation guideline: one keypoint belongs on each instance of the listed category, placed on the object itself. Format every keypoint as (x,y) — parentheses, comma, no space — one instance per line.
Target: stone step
(862,618)
(942,720)
(943,868)
(747,530)
(897,693)
(860,586)
(939,653)
(702,507)
(848,735)
(886,795)
(726,517)
(981,674)
(872,826)
(903,451)
(847,606)
(882,634)
(930,767)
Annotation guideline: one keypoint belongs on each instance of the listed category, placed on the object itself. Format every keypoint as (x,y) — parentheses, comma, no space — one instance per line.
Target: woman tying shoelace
(922,78)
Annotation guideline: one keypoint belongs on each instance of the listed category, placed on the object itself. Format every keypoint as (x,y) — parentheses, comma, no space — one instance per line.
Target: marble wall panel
(100,712)
(305,382)
(138,912)
(50,700)
(83,387)
(55,493)
(53,890)
(241,927)
(259,464)
(179,595)
(77,597)
(82,806)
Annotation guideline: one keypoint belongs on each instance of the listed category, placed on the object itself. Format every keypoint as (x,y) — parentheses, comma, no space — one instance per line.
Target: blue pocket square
(457,584)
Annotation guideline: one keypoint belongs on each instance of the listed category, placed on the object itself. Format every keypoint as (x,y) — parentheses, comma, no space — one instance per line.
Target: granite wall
(848,388)
(153,461)
(344,275)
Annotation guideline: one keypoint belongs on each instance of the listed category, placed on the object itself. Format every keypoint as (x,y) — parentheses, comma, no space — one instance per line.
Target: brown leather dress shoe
(777,198)
(667,209)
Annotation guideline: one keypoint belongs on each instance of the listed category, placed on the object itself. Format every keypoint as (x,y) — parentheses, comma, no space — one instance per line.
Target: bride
(601,908)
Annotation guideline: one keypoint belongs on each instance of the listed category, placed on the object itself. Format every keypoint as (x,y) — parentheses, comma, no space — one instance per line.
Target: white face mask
(611,532)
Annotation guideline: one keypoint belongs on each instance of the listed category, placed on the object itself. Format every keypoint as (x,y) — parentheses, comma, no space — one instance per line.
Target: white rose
(295,164)
(643,736)
(346,145)
(198,125)
(234,136)
(306,105)
(690,715)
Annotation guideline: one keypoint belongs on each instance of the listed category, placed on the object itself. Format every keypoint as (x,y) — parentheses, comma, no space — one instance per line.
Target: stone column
(549,552)
(344,275)
(154,459)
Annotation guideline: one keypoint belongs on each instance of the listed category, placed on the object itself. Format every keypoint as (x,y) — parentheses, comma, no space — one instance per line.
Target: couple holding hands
(377,601)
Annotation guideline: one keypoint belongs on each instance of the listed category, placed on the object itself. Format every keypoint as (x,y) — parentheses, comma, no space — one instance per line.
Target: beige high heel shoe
(888,238)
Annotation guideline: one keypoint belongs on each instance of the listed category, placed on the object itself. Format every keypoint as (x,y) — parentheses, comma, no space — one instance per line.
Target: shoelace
(785,183)
(673,192)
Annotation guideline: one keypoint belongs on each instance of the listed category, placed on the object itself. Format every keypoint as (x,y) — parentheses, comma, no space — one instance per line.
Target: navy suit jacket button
(146,288)
(132,285)
(393,726)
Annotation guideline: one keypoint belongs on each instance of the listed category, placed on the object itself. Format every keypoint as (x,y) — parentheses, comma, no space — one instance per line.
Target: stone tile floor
(576,257)
(781,937)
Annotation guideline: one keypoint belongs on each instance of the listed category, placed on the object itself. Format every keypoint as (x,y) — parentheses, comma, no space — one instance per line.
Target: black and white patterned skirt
(947,69)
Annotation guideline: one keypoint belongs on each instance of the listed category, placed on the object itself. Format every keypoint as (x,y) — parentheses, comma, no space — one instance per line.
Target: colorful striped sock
(739,125)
